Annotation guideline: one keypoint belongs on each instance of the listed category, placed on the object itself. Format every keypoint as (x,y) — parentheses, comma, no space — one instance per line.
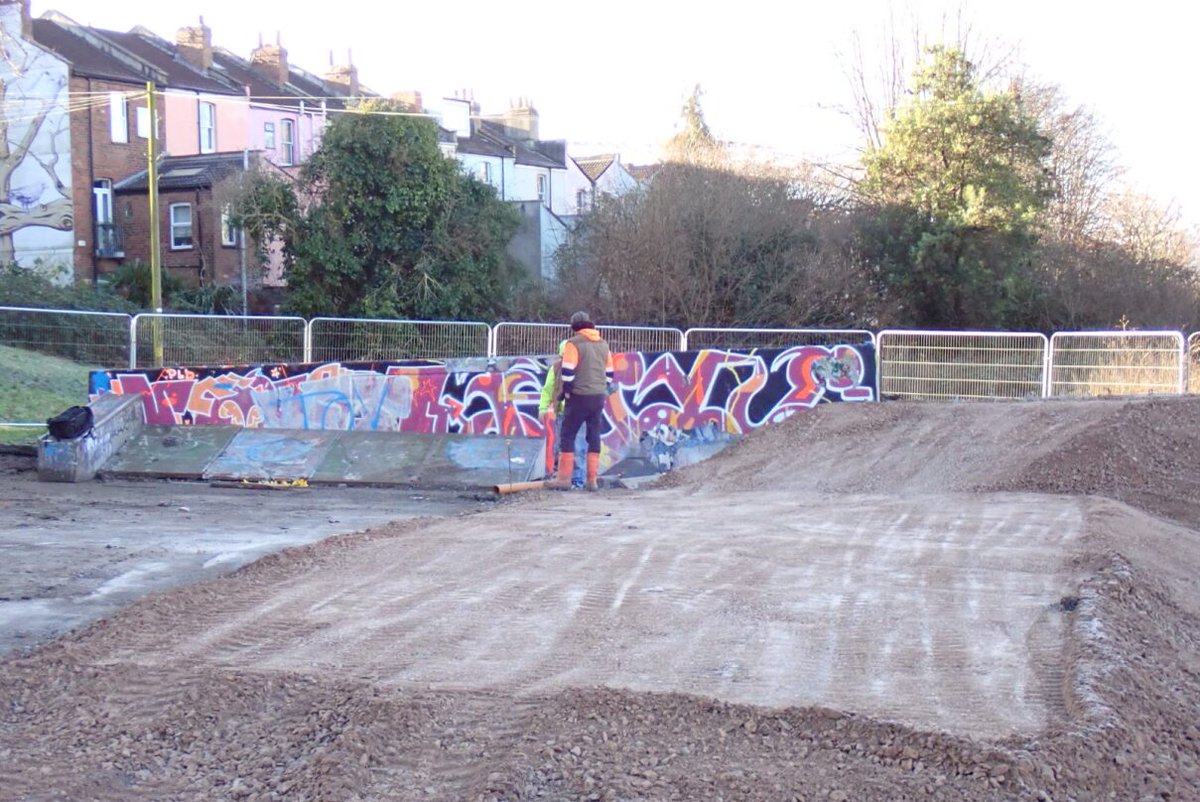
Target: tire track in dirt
(866,604)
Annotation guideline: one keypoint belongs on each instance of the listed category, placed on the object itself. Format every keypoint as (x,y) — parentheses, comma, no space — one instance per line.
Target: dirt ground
(894,601)
(72,553)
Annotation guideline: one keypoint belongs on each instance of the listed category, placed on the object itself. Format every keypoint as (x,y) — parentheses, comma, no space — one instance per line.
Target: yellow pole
(155,247)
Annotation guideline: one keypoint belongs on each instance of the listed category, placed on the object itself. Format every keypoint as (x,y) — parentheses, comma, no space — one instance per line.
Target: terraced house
(76,124)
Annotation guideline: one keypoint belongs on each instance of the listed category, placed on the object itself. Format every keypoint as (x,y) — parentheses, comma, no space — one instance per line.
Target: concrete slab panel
(115,420)
(431,460)
(174,452)
(272,454)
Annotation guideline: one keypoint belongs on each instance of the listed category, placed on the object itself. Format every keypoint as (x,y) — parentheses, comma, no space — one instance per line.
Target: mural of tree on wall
(35,164)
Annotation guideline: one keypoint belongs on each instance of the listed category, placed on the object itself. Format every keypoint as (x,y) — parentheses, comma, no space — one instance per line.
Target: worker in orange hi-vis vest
(587,381)
(550,413)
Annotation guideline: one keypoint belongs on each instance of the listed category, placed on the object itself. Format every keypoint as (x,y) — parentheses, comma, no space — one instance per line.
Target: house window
(208,128)
(485,172)
(108,239)
(229,234)
(143,122)
(269,136)
(581,200)
(287,143)
(118,116)
(541,188)
(181,226)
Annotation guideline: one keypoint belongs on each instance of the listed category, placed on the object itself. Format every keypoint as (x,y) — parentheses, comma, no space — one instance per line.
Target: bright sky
(612,76)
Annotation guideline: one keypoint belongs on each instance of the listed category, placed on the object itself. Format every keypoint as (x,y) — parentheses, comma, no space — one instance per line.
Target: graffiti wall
(36,216)
(669,409)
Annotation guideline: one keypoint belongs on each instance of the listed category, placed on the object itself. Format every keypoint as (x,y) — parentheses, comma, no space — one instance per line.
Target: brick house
(87,154)
(198,245)
(108,137)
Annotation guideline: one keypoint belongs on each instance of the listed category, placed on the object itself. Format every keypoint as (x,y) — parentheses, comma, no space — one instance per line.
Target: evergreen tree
(959,180)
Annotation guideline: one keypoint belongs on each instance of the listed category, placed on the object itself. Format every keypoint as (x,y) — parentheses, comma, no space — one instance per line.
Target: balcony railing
(109,243)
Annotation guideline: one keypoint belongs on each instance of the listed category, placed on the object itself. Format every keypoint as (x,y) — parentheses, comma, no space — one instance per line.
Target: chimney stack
(195,45)
(271,61)
(342,78)
(521,120)
(410,99)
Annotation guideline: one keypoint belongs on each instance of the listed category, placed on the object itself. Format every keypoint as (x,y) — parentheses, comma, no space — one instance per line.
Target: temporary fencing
(910,363)
(735,338)
(961,364)
(330,339)
(159,340)
(1095,363)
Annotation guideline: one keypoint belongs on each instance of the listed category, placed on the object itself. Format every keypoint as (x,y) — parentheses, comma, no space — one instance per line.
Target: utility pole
(155,246)
(241,236)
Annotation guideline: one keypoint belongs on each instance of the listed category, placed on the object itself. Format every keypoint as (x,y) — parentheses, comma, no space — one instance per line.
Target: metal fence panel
(642,338)
(732,339)
(1091,363)
(364,340)
(961,364)
(528,339)
(96,339)
(198,340)
(1193,363)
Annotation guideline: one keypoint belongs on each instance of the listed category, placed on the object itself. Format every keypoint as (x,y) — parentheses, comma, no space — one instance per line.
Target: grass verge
(34,387)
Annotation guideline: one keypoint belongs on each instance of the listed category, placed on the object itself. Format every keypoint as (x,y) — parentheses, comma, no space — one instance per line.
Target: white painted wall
(456,116)
(560,200)
(37,216)
(615,181)
(518,182)
(575,181)
(554,235)
(472,164)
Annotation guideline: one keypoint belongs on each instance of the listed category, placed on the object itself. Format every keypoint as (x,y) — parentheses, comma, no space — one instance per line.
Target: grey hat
(581,320)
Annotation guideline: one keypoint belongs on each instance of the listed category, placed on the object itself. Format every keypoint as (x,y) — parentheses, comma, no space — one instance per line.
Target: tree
(960,154)
(694,143)
(262,203)
(713,241)
(1107,256)
(959,181)
(706,246)
(387,226)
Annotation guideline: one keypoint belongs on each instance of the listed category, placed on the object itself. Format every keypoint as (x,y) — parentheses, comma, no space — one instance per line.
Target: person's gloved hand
(609,388)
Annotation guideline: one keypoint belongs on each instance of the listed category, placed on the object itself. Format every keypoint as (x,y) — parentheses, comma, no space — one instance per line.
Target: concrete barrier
(116,419)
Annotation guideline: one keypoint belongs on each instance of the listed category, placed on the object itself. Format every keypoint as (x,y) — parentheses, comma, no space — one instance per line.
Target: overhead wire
(42,108)
(83,101)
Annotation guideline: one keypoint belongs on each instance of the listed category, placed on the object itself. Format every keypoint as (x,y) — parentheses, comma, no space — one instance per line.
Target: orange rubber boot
(562,478)
(592,482)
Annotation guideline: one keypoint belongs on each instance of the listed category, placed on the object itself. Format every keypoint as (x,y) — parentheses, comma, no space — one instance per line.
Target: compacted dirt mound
(130,708)
(1145,452)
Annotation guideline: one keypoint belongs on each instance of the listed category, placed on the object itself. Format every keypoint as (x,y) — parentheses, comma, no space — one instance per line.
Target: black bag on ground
(71,423)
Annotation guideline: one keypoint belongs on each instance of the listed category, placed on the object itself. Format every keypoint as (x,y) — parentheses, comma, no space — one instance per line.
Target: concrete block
(116,419)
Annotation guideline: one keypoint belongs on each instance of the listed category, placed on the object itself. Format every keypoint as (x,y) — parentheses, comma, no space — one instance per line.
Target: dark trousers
(584,410)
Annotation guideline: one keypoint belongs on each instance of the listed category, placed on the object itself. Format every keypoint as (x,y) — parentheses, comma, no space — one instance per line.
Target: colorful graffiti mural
(670,408)
(36,215)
